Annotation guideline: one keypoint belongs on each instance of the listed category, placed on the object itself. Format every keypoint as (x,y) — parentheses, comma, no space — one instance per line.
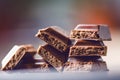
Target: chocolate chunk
(91,32)
(88,48)
(17,56)
(78,64)
(54,38)
(52,56)
(13,57)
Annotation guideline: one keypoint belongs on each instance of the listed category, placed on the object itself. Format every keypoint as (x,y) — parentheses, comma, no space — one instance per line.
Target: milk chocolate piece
(52,56)
(17,56)
(86,63)
(88,48)
(91,32)
(54,38)
(13,57)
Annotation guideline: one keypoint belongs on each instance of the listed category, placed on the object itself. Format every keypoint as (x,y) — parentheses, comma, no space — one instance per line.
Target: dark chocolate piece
(88,48)
(91,32)
(52,56)
(85,64)
(54,38)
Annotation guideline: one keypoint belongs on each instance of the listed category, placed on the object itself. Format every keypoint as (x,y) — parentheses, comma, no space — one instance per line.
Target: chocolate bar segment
(88,48)
(13,57)
(91,32)
(52,56)
(54,38)
(78,64)
(18,56)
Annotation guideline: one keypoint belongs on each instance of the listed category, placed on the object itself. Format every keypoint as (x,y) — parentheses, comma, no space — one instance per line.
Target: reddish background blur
(33,13)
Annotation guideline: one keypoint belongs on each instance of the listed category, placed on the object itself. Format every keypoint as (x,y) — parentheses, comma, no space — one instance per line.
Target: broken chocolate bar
(16,55)
(52,56)
(54,38)
(88,48)
(85,63)
(91,32)
(13,57)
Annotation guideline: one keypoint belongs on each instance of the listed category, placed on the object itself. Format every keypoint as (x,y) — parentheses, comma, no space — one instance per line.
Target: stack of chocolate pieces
(81,52)
(87,48)
(55,51)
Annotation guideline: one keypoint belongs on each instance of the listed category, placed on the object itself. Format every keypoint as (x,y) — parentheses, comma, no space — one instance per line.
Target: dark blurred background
(16,14)
(21,19)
